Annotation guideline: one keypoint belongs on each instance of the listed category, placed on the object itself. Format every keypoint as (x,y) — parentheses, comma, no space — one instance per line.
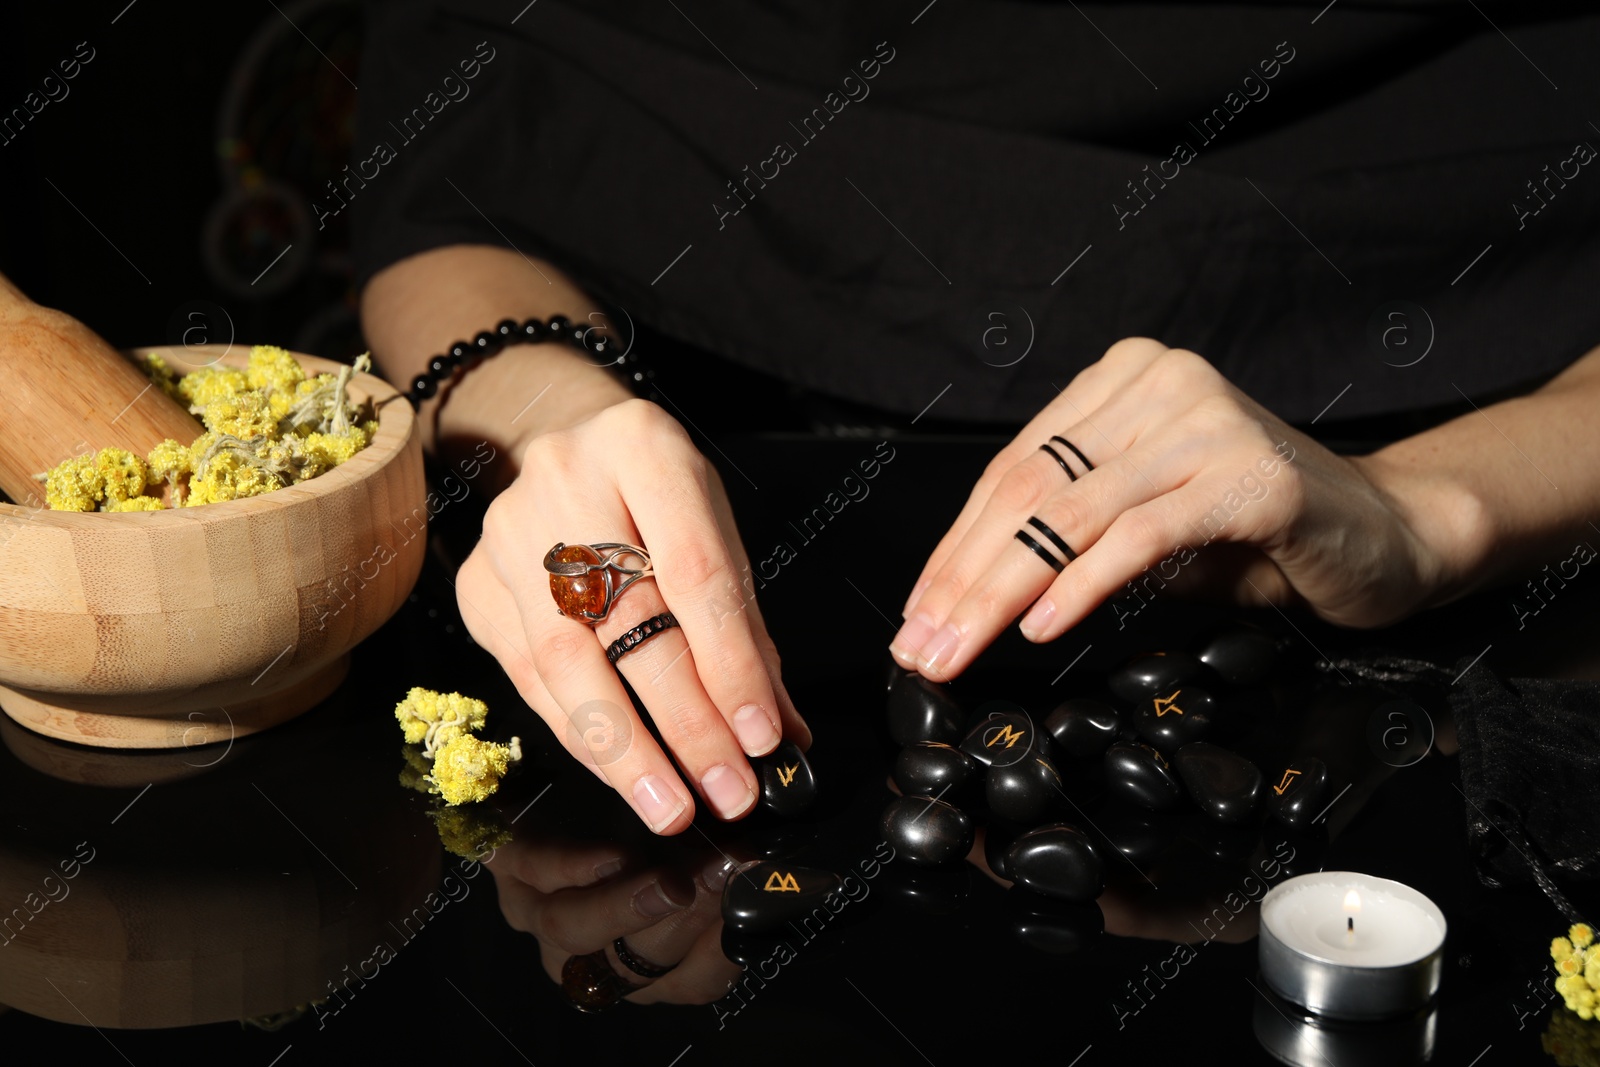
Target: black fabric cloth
(1530,769)
(1530,764)
(1398,152)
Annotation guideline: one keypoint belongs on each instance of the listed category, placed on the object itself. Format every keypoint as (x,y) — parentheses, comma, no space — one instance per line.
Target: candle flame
(1352,902)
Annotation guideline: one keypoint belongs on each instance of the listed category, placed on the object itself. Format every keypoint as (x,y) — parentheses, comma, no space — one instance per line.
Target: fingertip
(664,809)
(758,729)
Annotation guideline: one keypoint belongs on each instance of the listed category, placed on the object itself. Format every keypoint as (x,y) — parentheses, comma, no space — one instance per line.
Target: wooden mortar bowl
(174,628)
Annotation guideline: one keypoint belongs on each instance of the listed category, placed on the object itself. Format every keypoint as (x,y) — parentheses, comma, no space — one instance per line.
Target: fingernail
(714,875)
(916,594)
(757,731)
(1038,618)
(910,638)
(653,902)
(940,647)
(607,869)
(658,803)
(728,792)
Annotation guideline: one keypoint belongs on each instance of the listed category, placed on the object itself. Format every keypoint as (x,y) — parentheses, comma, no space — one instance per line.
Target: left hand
(1182,459)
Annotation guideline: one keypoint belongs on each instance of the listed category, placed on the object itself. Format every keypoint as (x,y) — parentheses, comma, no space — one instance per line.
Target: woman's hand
(711,685)
(577,899)
(1181,460)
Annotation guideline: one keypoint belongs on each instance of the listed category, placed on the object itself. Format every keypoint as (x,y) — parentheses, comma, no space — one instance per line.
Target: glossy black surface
(1153,673)
(1083,727)
(1002,734)
(1137,774)
(920,710)
(1223,784)
(930,768)
(1175,717)
(1057,860)
(1239,654)
(927,832)
(768,895)
(1300,793)
(788,786)
(1024,792)
(240,881)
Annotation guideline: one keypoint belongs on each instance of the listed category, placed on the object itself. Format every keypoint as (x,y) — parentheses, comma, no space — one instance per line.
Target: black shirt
(882,202)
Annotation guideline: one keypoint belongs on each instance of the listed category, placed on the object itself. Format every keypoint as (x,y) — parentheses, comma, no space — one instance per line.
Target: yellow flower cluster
(465,768)
(1577,961)
(433,720)
(267,426)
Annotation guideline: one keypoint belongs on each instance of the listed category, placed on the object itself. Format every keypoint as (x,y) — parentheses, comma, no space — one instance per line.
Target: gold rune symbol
(1164,704)
(778,882)
(1006,734)
(1281,786)
(786,774)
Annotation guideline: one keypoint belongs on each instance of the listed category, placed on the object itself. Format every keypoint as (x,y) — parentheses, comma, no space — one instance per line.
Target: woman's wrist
(1448,523)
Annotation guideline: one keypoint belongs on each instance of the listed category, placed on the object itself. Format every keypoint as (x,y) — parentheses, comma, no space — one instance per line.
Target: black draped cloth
(876,201)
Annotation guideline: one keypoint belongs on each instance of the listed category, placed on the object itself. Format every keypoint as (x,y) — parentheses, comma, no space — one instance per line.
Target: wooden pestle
(66,392)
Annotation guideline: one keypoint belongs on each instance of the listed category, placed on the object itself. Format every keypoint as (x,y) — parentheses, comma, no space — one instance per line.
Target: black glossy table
(217,884)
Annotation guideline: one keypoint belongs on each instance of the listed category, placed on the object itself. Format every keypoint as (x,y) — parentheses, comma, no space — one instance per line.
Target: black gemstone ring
(1039,550)
(642,968)
(636,637)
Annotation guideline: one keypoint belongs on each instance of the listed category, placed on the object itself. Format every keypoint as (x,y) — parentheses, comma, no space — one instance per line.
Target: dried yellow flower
(76,484)
(245,415)
(1582,936)
(468,770)
(137,503)
(273,368)
(433,719)
(124,474)
(207,385)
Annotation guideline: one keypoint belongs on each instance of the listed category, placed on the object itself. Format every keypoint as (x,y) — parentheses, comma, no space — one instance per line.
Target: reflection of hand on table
(578,898)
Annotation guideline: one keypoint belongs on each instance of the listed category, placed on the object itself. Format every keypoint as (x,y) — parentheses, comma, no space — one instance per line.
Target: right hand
(576,898)
(711,685)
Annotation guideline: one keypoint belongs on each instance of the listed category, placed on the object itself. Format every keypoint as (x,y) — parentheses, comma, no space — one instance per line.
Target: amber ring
(591,984)
(586,580)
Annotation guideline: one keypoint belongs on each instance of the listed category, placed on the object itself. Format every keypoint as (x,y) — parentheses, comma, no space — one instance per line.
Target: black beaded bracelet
(463,356)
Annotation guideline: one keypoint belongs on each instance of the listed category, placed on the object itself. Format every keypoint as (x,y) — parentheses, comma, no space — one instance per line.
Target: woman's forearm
(414,309)
(1502,490)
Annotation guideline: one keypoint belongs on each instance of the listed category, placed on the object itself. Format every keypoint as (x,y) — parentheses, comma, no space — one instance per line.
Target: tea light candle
(1351,946)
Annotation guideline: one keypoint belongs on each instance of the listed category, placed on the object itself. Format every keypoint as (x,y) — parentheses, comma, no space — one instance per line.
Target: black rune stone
(1224,784)
(787,785)
(1240,654)
(1139,775)
(920,710)
(1005,734)
(929,768)
(1023,792)
(927,832)
(1301,793)
(767,896)
(1152,674)
(1057,861)
(1084,728)
(1174,718)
